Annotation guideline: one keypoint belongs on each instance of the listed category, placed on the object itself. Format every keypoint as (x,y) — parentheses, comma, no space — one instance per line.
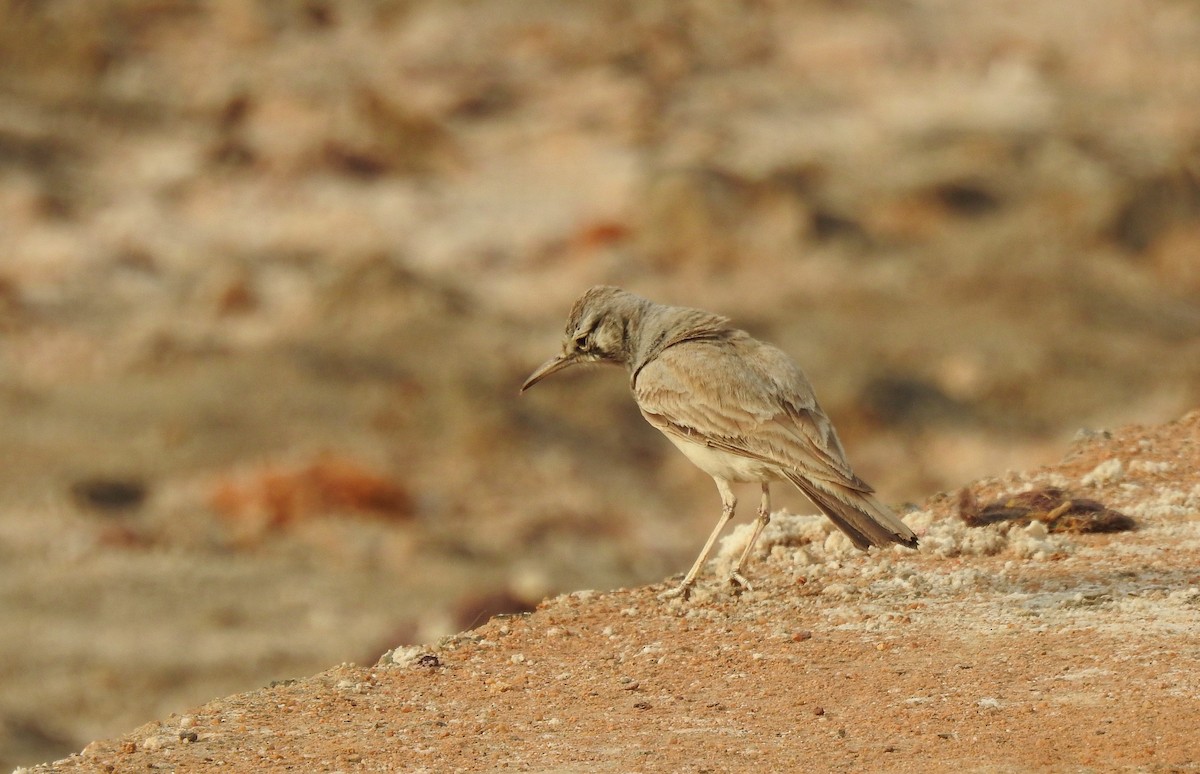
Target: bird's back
(745,397)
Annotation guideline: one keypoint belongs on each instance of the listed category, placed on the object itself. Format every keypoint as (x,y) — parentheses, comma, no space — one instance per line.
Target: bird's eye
(581,341)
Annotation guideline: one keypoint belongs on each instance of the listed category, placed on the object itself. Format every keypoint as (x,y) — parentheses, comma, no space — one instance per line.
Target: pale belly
(722,464)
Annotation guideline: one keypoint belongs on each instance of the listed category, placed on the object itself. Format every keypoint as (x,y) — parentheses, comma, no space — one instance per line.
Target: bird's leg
(764,518)
(728,504)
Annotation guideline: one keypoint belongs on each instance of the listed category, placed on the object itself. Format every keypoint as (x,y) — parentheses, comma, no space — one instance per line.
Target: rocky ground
(994,648)
(271,273)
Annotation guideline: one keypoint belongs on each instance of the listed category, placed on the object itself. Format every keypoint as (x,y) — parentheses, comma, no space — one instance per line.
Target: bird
(740,409)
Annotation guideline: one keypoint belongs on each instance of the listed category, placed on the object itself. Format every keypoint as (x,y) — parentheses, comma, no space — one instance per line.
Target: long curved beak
(553,365)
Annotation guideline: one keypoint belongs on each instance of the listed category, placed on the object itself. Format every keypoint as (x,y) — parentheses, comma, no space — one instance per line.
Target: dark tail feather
(865,520)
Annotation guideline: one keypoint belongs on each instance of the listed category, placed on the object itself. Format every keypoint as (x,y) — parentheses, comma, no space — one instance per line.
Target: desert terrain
(1016,646)
(271,274)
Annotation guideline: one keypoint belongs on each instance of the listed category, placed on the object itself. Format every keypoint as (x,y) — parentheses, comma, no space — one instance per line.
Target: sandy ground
(991,649)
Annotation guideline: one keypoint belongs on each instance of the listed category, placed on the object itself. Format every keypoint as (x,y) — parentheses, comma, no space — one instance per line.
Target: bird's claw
(739,582)
(682,591)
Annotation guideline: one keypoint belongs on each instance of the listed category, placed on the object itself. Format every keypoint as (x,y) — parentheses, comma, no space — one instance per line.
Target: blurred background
(272,271)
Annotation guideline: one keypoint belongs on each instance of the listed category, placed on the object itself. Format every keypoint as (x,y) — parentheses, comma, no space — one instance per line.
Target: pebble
(1107,472)
(404,655)
(156,742)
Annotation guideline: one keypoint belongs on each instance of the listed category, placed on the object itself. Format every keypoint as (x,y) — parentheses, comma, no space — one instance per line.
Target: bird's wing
(746,398)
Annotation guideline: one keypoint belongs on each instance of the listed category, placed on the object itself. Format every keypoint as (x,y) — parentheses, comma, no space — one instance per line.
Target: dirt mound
(1000,647)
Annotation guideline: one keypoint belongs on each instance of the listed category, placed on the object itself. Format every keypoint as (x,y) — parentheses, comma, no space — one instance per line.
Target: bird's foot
(739,582)
(682,591)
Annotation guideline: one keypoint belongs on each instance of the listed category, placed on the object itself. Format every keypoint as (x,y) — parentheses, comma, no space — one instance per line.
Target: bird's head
(598,331)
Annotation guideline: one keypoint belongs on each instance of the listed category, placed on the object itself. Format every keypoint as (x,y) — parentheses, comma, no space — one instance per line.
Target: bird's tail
(865,520)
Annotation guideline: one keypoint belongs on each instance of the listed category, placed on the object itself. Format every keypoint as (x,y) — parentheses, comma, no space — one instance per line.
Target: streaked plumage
(741,410)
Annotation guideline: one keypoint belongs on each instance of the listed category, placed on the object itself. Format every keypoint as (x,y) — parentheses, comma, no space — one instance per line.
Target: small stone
(801,636)
(155,742)
(401,656)
(1107,472)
